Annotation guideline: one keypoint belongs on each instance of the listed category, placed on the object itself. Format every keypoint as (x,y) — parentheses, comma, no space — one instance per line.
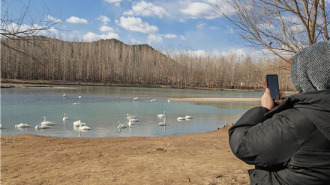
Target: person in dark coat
(289,144)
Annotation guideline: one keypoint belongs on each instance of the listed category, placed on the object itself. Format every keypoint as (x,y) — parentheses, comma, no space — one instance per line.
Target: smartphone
(272,85)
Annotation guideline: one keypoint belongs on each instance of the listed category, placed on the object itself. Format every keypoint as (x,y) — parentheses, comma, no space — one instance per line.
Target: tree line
(114,62)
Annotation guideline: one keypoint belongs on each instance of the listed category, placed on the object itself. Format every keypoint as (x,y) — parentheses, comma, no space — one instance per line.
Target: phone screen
(272,85)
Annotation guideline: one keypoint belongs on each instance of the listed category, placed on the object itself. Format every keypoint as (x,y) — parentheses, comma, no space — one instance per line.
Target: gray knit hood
(310,68)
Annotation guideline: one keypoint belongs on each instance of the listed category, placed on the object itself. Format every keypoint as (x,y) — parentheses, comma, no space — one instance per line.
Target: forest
(114,62)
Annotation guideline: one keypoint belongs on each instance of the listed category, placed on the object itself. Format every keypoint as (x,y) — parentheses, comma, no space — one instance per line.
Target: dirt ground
(185,159)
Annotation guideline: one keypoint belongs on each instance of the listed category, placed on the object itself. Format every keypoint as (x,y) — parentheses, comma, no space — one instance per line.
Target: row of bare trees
(113,62)
(230,71)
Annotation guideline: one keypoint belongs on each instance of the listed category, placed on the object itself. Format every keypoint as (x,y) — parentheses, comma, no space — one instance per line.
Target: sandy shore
(186,159)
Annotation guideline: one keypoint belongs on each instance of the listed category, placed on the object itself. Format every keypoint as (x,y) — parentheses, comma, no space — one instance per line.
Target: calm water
(102,107)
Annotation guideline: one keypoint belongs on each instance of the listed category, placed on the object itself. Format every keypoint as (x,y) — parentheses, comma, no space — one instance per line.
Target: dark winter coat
(288,145)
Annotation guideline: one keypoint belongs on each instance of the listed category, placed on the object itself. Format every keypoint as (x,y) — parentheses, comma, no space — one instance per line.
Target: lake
(101,107)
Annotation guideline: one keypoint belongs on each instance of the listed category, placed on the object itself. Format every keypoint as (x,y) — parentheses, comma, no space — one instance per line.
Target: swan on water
(40,126)
(162,115)
(64,95)
(81,127)
(120,125)
(162,123)
(65,117)
(78,123)
(135,99)
(22,125)
(130,117)
(188,117)
(180,118)
(135,120)
(153,100)
(47,123)
(79,97)
(130,123)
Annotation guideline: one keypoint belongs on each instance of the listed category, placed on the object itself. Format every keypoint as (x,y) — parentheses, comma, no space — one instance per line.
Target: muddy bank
(185,159)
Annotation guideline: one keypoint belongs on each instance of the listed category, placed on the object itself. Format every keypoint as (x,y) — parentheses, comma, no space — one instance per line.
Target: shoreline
(14,83)
(216,99)
(203,158)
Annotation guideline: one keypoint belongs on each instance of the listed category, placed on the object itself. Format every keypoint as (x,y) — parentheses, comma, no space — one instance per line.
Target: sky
(189,25)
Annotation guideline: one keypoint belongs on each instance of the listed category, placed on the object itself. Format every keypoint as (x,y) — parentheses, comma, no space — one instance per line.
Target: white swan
(168,100)
(78,123)
(180,118)
(162,123)
(47,123)
(22,125)
(162,115)
(64,95)
(135,120)
(65,117)
(79,97)
(188,117)
(130,117)
(130,123)
(41,127)
(136,99)
(120,125)
(81,127)
(153,100)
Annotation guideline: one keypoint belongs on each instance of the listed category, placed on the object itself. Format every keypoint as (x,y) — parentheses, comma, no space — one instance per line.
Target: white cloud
(266,26)
(238,52)
(224,6)
(154,38)
(90,36)
(214,2)
(23,28)
(170,36)
(115,2)
(146,9)
(103,19)
(76,20)
(198,53)
(55,20)
(198,10)
(134,41)
(158,38)
(297,29)
(201,25)
(136,25)
(106,29)
(34,29)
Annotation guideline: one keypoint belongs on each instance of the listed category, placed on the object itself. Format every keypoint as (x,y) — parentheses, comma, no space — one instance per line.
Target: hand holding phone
(272,85)
(267,101)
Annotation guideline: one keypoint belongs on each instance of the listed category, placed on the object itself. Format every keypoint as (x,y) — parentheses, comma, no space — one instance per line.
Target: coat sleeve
(269,142)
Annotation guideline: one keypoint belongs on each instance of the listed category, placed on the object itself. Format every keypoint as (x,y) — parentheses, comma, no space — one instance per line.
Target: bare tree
(283,27)
(13,27)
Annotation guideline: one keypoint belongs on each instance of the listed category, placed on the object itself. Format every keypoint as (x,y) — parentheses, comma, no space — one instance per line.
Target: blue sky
(165,25)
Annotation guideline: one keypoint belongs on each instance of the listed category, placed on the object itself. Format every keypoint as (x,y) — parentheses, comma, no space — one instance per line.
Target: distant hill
(114,62)
(108,61)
